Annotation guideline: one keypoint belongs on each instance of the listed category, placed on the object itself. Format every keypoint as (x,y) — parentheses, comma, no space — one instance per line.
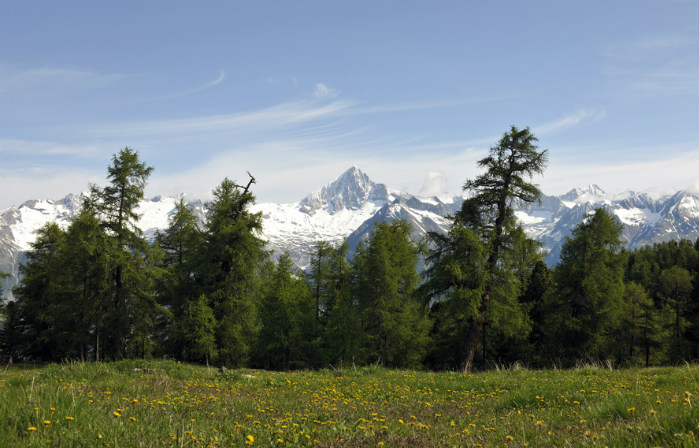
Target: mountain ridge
(349,206)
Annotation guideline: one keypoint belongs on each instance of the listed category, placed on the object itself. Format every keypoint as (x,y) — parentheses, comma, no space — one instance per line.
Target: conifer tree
(394,322)
(12,341)
(288,319)
(490,213)
(675,286)
(341,337)
(86,283)
(589,300)
(39,293)
(455,279)
(538,288)
(132,273)
(198,331)
(319,279)
(233,256)
(642,325)
(180,287)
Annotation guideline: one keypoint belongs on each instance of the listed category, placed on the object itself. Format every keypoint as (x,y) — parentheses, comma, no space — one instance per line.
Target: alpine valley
(349,206)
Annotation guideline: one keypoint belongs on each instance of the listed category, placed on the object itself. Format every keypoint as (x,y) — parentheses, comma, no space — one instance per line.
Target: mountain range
(349,206)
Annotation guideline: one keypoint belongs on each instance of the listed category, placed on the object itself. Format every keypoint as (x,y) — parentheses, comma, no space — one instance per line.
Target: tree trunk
(474,334)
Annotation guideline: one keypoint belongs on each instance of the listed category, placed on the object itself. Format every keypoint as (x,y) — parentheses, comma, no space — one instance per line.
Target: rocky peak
(350,191)
(591,191)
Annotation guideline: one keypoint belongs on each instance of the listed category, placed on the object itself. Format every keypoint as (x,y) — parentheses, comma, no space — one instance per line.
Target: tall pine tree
(230,267)
(490,213)
(132,302)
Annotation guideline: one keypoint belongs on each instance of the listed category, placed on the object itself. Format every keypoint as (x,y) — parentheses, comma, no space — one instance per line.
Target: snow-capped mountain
(349,206)
(344,208)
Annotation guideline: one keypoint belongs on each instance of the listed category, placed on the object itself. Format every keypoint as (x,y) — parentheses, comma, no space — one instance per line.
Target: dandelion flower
(31,428)
(47,422)
(249,440)
(70,419)
(116,414)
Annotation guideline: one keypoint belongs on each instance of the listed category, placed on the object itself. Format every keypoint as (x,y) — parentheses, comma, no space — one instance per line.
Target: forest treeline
(209,291)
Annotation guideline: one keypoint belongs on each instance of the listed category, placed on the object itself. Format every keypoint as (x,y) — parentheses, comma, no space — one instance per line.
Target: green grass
(167,404)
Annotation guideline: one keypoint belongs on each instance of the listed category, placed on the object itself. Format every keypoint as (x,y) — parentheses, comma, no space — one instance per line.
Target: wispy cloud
(201,88)
(425,105)
(14,79)
(38,148)
(575,119)
(323,91)
(279,116)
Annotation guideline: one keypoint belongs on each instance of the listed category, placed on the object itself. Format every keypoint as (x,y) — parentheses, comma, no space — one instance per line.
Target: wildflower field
(166,404)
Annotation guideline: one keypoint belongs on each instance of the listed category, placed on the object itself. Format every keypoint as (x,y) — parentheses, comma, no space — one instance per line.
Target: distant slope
(349,206)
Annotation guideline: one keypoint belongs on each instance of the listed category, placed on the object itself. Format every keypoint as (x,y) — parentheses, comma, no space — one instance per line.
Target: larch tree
(288,318)
(394,322)
(454,282)
(341,337)
(674,288)
(130,254)
(230,266)
(590,286)
(38,294)
(490,213)
(180,287)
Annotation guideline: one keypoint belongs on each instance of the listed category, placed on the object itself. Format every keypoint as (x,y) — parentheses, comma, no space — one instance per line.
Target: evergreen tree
(39,293)
(394,322)
(85,281)
(132,301)
(490,213)
(506,332)
(12,342)
(233,256)
(198,331)
(675,286)
(643,329)
(341,338)
(319,280)
(535,297)
(180,287)
(455,279)
(589,298)
(287,315)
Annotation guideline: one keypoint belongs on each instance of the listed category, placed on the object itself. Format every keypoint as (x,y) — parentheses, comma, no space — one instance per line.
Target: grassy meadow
(167,404)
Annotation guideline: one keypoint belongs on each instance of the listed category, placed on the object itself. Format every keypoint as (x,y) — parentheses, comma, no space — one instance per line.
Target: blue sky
(296,92)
